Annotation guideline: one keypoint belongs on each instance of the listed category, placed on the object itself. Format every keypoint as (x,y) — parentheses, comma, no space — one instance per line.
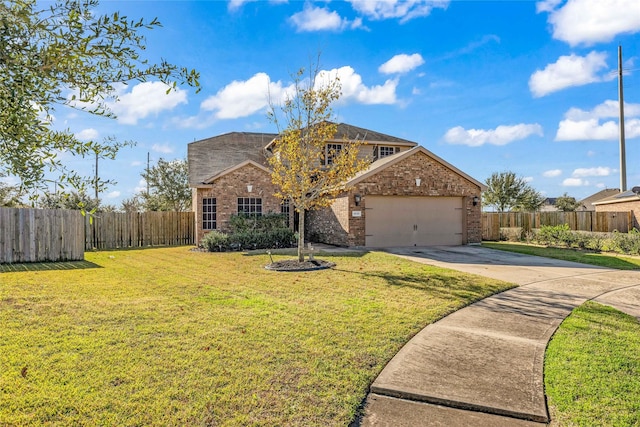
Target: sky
(489,86)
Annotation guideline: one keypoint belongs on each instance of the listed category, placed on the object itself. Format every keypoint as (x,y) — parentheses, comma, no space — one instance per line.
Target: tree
(10,196)
(506,191)
(565,203)
(76,200)
(132,205)
(65,55)
(169,186)
(305,170)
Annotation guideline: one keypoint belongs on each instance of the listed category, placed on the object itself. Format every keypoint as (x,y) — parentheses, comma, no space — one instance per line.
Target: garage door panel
(413,221)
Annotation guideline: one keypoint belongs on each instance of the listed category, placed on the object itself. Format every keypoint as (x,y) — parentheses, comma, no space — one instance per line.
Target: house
(586,204)
(549,205)
(407,197)
(627,201)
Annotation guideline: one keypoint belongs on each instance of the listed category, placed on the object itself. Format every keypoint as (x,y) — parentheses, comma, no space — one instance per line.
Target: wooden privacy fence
(604,222)
(36,235)
(112,230)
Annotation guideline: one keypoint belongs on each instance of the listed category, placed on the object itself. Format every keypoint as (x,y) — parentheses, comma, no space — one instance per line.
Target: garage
(413,221)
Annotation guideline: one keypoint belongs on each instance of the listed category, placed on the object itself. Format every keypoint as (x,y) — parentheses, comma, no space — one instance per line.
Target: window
(385,151)
(285,209)
(209,213)
(250,205)
(332,152)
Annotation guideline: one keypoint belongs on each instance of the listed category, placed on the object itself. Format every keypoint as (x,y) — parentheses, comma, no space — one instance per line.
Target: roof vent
(636,190)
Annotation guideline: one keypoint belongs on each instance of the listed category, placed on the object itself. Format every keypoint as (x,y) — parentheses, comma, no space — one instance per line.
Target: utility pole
(623,160)
(95,182)
(148,162)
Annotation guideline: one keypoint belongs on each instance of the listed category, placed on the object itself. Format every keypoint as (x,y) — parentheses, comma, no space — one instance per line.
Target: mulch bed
(293,265)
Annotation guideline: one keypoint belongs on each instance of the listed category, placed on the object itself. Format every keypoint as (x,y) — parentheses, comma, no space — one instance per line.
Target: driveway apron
(483,365)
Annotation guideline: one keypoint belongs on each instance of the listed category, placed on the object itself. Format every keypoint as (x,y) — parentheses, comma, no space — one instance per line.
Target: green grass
(600,259)
(163,337)
(592,369)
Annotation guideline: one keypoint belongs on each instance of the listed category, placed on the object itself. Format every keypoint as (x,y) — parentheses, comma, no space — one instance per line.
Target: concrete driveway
(483,365)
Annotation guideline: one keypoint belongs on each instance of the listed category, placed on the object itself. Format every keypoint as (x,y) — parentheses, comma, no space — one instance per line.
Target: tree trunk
(301,236)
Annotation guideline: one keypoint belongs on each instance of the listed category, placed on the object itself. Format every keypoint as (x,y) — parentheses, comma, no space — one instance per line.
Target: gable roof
(602,194)
(626,196)
(209,157)
(235,168)
(350,132)
(367,136)
(387,161)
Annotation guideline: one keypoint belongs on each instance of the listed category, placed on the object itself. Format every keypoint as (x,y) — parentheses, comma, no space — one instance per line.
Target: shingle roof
(356,133)
(587,202)
(211,156)
(625,196)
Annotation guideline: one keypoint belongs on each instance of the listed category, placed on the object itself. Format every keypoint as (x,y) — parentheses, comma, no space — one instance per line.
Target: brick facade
(335,225)
(228,188)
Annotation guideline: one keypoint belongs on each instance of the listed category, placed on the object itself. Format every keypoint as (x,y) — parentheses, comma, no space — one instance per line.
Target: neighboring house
(407,197)
(549,205)
(586,204)
(627,201)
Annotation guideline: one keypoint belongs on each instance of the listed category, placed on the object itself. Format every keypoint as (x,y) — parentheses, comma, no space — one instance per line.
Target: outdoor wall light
(357,198)
(249,188)
(476,200)
(418,181)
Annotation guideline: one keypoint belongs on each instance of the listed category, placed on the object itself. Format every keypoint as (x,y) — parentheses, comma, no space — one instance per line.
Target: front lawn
(592,369)
(174,337)
(609,260)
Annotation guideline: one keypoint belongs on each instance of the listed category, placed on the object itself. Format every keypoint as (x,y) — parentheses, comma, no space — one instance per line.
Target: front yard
(174,337)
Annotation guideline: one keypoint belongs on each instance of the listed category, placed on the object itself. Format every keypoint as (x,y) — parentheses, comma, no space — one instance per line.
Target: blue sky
(489,86)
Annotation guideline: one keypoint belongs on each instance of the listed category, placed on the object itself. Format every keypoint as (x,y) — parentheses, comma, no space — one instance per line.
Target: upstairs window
(332,151)
(209,213)
(250,205)
(386,151)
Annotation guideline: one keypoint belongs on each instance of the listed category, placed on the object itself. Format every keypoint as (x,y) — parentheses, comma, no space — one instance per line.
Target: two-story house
(407,197)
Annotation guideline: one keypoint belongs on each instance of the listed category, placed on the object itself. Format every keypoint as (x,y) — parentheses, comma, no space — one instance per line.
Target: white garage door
(413,221)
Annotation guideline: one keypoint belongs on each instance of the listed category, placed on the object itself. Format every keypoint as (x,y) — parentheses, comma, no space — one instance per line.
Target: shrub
(270,239)
(215,241)
(242,222)
(626,243)
(554,235)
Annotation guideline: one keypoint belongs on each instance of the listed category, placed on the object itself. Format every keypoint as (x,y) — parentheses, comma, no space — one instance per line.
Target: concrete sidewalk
(483,365)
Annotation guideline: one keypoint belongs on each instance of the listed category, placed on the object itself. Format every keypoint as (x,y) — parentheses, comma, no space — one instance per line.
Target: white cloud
(588,22)
(585,130)
(87,134)
(501,135)
(547,5)
(575,182)
(234,5)
(318,19)
(552,173)
(144,99)
(162,148)
(567,71)
(597,171)
(136,163)
(405,10)
(401,64)
(113,195)
(582,125)
(528,179)
(141,187)
(353,90)
(244,98)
